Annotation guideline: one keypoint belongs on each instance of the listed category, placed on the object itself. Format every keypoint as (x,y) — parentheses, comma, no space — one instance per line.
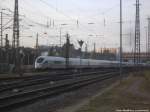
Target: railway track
(8,101)
(42,79)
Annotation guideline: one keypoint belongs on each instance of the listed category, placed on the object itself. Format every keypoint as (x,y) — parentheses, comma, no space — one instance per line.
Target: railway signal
(81,42)
(67,49)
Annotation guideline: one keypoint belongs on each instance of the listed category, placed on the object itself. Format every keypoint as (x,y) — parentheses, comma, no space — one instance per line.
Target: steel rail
(43,80)
(57,88)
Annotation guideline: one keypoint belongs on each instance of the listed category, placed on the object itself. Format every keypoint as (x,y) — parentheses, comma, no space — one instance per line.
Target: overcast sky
(104,14)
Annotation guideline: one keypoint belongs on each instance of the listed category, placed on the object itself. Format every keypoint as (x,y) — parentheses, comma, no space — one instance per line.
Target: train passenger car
(50,62)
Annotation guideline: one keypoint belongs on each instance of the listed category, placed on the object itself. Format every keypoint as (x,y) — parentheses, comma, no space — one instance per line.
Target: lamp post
(146,36)
(60,32)
(120,65)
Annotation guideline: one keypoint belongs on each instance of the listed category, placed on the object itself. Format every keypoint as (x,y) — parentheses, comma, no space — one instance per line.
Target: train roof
(74,59)
(52,57)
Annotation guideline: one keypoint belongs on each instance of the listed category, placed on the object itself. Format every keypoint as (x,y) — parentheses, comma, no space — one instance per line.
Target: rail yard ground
(131,95)
(109,95)
(59,102)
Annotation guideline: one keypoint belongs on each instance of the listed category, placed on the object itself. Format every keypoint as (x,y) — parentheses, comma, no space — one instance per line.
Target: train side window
(46,62)
(58,62)
(40,60)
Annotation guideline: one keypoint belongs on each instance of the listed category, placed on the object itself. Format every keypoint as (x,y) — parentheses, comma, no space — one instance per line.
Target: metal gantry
(120,40)
(137,49)
(15,42)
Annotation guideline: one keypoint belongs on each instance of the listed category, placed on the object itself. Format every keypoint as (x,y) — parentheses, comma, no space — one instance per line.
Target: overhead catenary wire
(60,12)
(68,18)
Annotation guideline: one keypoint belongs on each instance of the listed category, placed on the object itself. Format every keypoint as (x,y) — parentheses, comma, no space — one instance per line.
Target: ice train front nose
(38,62)
(38,66)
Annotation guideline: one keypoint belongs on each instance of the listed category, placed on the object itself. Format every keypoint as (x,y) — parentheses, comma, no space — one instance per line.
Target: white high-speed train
(49,62)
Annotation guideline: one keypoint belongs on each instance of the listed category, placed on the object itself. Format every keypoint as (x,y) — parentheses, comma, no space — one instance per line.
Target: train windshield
(40,60)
